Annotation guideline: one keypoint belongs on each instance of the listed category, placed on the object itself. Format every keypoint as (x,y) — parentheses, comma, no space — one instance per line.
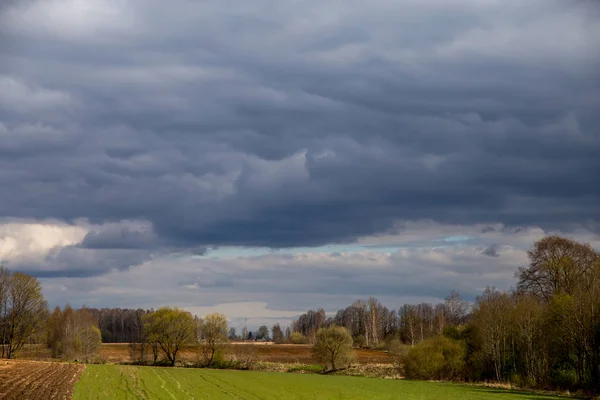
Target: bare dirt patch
(278,353)
(37,380)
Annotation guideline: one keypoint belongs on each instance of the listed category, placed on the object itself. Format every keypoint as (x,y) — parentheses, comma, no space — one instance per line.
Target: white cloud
(33,240)
(73,20)
(278,285)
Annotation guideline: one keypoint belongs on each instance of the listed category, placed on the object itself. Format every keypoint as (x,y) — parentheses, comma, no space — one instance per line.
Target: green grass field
(116,382)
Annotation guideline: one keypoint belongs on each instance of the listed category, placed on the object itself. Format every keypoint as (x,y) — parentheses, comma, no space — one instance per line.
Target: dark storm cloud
(491,251)
(284,124)
(73,261)
(120,237)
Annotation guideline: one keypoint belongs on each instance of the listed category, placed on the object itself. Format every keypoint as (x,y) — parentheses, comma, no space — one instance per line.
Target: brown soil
(37,380)
(280,353)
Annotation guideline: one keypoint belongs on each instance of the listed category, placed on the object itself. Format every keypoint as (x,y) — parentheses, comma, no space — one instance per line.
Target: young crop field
(35,380)
(117,382)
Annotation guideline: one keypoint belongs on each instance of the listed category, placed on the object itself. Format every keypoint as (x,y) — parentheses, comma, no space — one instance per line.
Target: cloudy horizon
(263,158)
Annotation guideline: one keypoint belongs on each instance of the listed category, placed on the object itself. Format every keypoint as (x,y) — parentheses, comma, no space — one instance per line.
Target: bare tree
(456,308)
(528,324)
(277,334)
(232,335)
(557,264)
(492,319)
(26,313)
(374,321)
(4,320)
(73,333)
(90,338)
(213,328)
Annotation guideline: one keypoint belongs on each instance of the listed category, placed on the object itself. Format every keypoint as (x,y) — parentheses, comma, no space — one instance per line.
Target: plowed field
(37,380)
(280,353)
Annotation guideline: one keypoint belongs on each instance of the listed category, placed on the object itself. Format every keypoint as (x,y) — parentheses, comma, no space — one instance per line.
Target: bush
(306,369)
(246,356)
(359,341)
(333,347)
(564,377)
(298,338)
(437,358)
(398,350)
(452,332)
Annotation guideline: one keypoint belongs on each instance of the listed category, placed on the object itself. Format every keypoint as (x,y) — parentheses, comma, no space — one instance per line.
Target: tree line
(543,333)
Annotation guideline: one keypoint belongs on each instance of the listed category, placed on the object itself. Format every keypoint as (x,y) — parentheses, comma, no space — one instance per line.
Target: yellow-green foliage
(298,338)
(170,329)
(333,347)
(437,358)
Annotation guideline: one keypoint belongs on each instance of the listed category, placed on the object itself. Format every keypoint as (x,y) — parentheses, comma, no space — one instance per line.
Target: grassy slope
(128,382)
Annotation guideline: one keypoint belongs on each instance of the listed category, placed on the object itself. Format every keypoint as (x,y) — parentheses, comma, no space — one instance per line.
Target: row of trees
(167,330)
(73,333)
(371,324)
(544,333)
(548,329)
(25,319)
(119,325)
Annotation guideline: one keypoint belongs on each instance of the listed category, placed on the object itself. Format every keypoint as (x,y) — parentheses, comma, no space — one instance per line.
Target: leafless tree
(4,320)
(213,328)
(492,319)
(557,264)
(26,312)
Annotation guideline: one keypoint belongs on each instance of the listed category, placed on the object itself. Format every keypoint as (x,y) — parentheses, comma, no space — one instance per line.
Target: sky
(260,158)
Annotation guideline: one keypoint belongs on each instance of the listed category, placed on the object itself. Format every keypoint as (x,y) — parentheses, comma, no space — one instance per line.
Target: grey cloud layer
(280,123)
(293,281)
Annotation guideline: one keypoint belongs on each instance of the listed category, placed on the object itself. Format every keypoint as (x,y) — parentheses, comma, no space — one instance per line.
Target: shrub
(398,351)
(246,356)
(306,369)
(564,377)
(437,358)
(359,341)
(333,347)
(298,338)
(452,332)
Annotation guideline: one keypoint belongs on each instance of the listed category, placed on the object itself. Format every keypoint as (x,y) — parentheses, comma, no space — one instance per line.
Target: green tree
(438,358)
(73,333)
(213,336)
(566,275)
(277,333)
(262,333)
(169,328)
(333,347)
